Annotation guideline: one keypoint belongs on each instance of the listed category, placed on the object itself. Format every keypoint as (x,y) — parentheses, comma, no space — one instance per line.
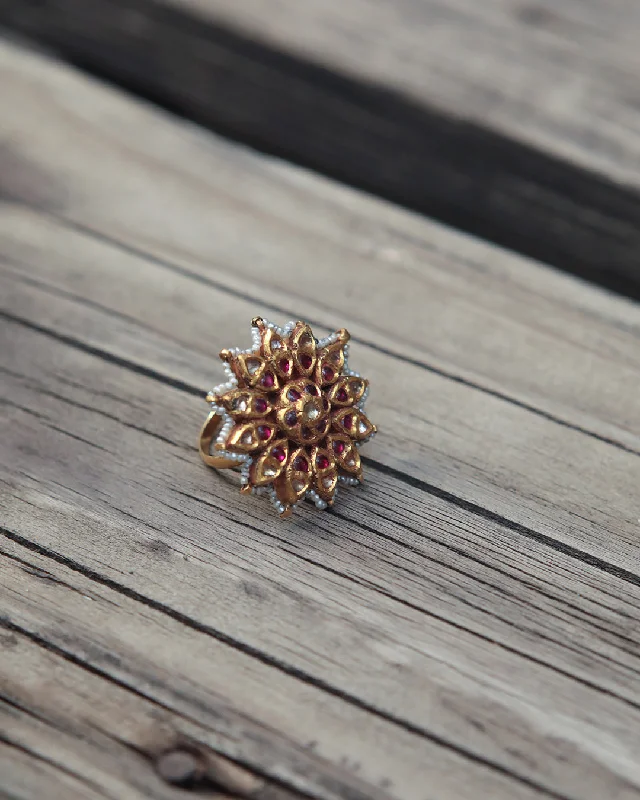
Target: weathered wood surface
(464,626)
(516,120)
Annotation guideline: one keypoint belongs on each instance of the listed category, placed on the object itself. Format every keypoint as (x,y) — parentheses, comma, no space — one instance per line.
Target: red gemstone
(293,395)
(342,396)
(348,421)
(306,361)
(279,454)
(285,365)
(327,374)
(307,433)
(261,405)
(339,447)
(267,380)
(322,427)
(301,464)
(291,418)
(322,462)
(264,432)
(312,389)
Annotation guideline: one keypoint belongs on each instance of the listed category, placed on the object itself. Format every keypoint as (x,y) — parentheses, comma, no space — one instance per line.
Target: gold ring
(290,416)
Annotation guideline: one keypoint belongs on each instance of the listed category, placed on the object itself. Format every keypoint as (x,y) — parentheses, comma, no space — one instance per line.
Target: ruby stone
(264,432)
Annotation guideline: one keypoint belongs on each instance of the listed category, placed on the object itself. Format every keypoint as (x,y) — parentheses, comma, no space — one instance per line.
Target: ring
(290,416)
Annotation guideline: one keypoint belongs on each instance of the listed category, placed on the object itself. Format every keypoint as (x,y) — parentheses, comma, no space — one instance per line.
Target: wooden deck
(467,624)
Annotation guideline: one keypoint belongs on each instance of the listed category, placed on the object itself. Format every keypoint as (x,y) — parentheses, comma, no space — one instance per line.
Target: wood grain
(215,697)
(475,335)
(516,121)
(285,599)
(464,626)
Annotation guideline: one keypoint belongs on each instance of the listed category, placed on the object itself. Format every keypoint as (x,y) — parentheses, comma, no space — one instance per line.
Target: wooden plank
(452,641)
(517,121)
(558,75)
(409,530)
(267,591)
(60,705)
(25,777)
(309,738)
(538,495)
(489,322)
(126,527)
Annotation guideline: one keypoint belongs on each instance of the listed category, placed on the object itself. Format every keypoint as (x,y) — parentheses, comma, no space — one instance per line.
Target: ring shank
(207,435)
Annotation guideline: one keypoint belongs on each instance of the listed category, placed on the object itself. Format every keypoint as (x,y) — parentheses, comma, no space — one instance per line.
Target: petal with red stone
(248,436)
(352,422)
(347,391)
(345,453)
(249,368)
(269,465)
(326,472)
(244,403)
(330,363)
(295,480)
(303,346)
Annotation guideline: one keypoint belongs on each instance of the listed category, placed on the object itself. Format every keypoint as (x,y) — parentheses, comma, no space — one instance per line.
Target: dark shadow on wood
(360,134)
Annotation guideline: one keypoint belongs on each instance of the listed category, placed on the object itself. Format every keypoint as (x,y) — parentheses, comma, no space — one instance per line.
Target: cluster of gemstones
(292,414)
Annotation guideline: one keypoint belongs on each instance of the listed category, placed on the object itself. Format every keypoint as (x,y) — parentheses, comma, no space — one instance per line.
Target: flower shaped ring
(290,417)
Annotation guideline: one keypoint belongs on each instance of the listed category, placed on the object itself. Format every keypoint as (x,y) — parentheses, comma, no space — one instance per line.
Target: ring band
(208,433)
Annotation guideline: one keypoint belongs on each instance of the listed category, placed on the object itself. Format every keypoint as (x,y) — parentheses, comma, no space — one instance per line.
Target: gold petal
(248,367)
(303,346)
(363,428)
(354,389)
(276,351)
(283,364)
(272,343)
(357,387)
(269,381)
(295,480)
(249,436)
(293,394)
(330,364)
(245,403)
(345,453)
(268,466)
(326,473)
(353,422)
(289,421)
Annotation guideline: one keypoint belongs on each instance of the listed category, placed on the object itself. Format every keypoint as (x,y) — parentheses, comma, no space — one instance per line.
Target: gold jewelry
(290,417)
